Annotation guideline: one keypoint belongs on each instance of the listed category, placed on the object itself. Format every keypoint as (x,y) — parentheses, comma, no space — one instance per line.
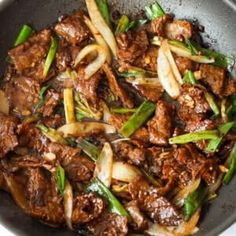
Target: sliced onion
(106,112)
(213,187)
(4,105)
(184,52)
(125,172)
(183,193)
(100,40)
(49,156)
(104,163)
(79,129)
(101,25)
(158,230)
(68,204)
(17,193)
(171,60)
(95,65)
(166,76)
(143,81)
(69,105)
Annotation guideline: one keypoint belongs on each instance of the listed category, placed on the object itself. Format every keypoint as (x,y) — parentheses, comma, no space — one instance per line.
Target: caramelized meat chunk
(8,138)
(132,45)
(160,127)
(51,101)
(109,224)
(139,221)
(214,77)
(86,207)
(132,152)
(73,28)
(116,88)
(184,64)
(23,94)
(88,87)
(31,53)
(166,27)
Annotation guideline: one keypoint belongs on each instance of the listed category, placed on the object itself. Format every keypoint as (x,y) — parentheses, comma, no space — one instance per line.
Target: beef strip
(133,151)
(23,94)
(116,88)
(31,54)
(165,26)
(139,222)
(185,64)
(86,207)
(78,168)
(52,99)
(214,77)
(88,87)
(73,28)
(160,127)
(194,108)
(132,45)
(157,207)
(109,224)
(8,138)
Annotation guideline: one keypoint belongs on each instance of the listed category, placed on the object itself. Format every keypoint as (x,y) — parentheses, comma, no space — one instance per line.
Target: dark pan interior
(218,17)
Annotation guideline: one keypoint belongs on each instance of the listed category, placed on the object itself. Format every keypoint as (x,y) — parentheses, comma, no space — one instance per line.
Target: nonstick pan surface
(219,19)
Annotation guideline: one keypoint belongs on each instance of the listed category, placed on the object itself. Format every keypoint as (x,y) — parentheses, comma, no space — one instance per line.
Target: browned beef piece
(139,222)
(31,137)
(109,224)
(8,138)
(132,45)
(63,56)
(214,77)
(35,191)
(77,167)
(157,207)
(23,94)
(179,29)
(116,88)
(229,87)
(52,99)
(160,127)
(31,53)
(148,60)
(197,163)
(88,87)
(158,26)
(54,121)
(166,27)
(194,108)
(184,64)
(133,151)
(86,207)
(150,92)
(141,134)
(73,28)
(117,120)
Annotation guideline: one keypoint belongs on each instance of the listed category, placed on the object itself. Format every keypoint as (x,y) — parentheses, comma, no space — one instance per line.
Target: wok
(218,17)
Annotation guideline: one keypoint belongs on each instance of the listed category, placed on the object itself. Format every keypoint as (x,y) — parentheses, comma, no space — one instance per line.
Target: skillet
(219,19)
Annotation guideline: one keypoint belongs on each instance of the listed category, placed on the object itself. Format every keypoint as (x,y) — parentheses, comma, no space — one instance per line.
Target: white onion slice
(171,60)
(166,76)
(69,105)
(99,39)
(183,52)
(104,163)
(4,105)
(125,172)
(101,25)
(85,128)
(96,64)
(68,204)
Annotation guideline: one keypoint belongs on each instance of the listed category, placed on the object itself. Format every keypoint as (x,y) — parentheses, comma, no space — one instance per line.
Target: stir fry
(116,126)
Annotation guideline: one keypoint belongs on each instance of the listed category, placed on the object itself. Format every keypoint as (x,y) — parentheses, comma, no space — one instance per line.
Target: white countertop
(229,232)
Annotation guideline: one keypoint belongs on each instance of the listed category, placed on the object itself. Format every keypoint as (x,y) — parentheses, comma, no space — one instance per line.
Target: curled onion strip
(100,40)
(68,204)
(95,65)
(101,25)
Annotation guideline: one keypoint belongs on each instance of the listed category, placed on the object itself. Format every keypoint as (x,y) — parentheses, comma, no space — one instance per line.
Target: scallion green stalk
(25,32)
